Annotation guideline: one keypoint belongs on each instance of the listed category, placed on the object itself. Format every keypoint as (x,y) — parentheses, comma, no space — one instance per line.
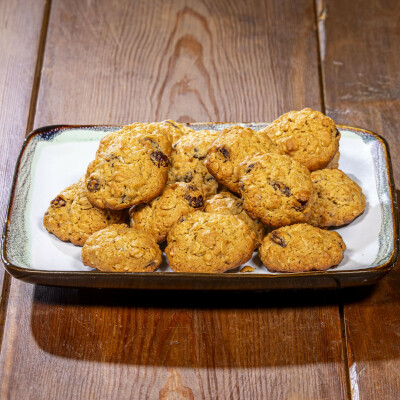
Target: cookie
(157,217)
(228,203)
(171,130)
(187,161)
(129,170)
(231,148)
(335,161)
(337,199)
(118,248)
(276,189)
(72,218)
(301,248)
(309,136)
(209,243)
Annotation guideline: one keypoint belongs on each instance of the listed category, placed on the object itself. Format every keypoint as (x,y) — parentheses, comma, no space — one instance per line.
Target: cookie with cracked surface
(209,243)
(187,161)
(231,148)
(72,218)
(276,189)
(338,200)
(301,248)
(335,161)
(309,136)
(129,170)
(157,217)
(118,248)
(228,203)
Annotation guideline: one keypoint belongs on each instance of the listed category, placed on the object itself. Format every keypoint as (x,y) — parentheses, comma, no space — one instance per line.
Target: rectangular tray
(54,157)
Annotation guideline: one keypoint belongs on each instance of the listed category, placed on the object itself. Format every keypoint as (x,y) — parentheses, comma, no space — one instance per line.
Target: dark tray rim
(193,281)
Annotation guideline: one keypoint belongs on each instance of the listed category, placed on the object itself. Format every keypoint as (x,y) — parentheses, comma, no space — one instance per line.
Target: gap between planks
(5,292)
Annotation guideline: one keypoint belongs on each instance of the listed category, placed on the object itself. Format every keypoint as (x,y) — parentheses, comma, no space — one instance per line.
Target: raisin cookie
(231,148)
(276,189)
(187,161)
(118,248)
(129,170)
(158,216)
(301,248)
(228,203)
(309,136)
(171,130)
(209,243)
(72,218)
(337,198)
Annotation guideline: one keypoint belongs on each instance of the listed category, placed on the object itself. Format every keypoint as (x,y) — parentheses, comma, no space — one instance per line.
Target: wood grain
(115,62)
(362,87)
(20,28)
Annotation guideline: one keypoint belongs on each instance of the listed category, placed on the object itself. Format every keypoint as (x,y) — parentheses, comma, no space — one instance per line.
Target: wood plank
(193,61)
(362,81)
(20,29)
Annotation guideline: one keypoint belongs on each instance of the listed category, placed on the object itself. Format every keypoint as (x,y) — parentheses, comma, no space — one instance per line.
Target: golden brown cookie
(72,218)
(337,198)
(309,136)
(276,189)
(118,248)
(301,248)
(187,161)
(209,243)
(171,130)
(228,203)
(157,217)
(231,148)
(128,170)
(335,161)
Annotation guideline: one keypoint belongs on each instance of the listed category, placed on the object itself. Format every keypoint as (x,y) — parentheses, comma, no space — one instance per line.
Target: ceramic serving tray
(54,157)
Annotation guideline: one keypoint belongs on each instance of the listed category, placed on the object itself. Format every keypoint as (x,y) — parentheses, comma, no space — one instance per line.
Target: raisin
(58,202)
(337,133)
(188,177)
(195,202)
(250,167)
(278,240)
(301,204)
(123,198)
(282,188)
(191,187)
(159,158)
(224,152)
(93,185)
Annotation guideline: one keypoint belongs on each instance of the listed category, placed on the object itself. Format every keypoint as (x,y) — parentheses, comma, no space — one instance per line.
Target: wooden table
(101,61)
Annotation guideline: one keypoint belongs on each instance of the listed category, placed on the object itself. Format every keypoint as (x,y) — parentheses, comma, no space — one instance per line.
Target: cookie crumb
(247,269)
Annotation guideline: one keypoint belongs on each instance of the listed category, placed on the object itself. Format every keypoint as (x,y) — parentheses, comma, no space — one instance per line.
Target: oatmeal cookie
(72,218)
(231,148)
(158,216)
(337,199)
(276,189)
(309,136)
(187,161)
(118,248)
(129,170)
(301,248)
(171,130)
(209,243)
(228,203)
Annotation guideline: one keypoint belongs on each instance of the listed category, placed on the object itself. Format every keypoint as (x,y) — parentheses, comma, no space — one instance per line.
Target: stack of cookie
(213,195)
